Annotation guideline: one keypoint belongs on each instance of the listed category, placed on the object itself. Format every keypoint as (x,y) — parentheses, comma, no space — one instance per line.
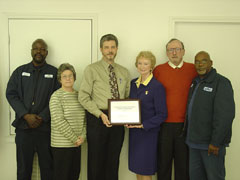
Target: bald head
(40,41)
(203,63)
(203,53)
(39,52)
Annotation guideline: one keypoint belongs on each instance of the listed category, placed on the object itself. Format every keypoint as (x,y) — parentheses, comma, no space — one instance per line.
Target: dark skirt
(143,151)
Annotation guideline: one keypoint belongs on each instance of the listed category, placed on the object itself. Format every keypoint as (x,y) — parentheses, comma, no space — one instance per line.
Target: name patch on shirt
(208,89)
(25,74)
(48,76)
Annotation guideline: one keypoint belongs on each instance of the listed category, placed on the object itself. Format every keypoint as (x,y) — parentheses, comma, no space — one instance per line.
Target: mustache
(38,54)
(110,53)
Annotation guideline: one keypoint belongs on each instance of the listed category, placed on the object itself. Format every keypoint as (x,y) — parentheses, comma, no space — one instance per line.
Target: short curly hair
(63,67)
(148,55)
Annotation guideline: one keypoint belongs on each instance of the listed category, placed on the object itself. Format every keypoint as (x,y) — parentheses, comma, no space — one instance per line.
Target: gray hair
(108,37)
(63,67)
(174,39)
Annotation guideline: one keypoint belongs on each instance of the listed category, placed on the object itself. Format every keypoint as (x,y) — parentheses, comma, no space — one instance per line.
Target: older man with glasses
(176,76)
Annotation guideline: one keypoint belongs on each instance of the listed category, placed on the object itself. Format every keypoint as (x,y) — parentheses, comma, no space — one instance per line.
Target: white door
(69,41)
(221,40)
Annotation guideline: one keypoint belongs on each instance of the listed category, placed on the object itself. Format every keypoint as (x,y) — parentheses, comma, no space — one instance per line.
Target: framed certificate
(124,111)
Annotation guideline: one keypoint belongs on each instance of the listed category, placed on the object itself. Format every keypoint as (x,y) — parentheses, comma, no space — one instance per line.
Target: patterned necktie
(113,82)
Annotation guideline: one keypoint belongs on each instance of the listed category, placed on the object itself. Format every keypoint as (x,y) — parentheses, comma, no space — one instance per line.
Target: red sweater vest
(177,83)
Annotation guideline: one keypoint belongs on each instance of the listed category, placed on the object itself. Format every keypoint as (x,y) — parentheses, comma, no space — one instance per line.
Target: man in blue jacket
(28,92)
(210,113)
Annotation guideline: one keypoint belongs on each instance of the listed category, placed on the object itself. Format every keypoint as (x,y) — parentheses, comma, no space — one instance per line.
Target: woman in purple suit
(143,138)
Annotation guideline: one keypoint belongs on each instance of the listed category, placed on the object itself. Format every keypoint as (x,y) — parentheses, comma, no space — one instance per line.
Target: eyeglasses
(67,77)
(201,62)
(171,50)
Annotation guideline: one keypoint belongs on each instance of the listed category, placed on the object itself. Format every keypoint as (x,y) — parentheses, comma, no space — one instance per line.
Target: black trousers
(66,163)
(171,146)
(28,142)
(104,147)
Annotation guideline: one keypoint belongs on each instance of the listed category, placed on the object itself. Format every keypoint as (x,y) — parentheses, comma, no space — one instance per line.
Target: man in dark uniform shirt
(28,92)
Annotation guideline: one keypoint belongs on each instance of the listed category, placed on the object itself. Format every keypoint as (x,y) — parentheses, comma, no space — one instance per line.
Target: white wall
(139,25)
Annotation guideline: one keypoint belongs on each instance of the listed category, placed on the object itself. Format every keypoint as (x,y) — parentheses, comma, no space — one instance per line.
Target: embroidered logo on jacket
(48,76)
(208,89)
(25,74)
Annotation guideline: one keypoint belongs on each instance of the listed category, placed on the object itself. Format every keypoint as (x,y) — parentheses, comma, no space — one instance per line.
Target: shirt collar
(174,66)
(106,65)
(145,83)
(34,68)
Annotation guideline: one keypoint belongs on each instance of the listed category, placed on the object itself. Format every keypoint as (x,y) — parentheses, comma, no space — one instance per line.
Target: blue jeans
(204,167)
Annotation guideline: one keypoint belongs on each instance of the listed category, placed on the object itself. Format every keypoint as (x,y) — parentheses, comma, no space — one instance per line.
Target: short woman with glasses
(68,126)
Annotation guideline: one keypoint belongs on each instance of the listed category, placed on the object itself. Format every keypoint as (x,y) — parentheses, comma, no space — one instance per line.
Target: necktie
(113,82)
